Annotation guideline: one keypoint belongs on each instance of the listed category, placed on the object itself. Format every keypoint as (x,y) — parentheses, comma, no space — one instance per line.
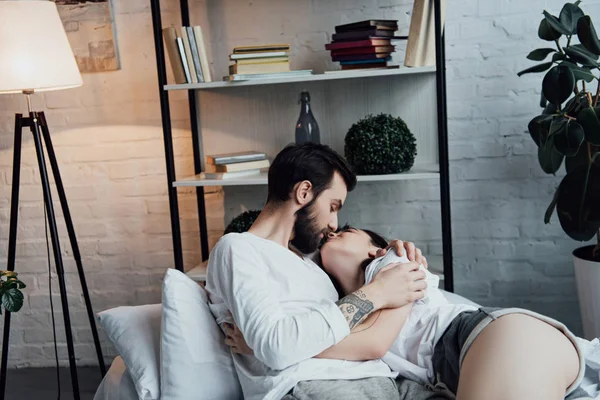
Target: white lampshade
(34,50)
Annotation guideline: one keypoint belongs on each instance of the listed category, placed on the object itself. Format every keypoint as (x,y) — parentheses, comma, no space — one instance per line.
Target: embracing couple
(364,324)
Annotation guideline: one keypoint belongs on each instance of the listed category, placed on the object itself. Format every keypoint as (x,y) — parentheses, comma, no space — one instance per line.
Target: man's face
(319,217)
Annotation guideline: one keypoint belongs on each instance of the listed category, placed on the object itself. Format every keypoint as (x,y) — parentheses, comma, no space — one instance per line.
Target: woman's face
(344,252)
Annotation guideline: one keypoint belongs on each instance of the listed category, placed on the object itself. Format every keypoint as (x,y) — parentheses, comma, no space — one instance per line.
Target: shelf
(352,74)
(198,273)
(418,172)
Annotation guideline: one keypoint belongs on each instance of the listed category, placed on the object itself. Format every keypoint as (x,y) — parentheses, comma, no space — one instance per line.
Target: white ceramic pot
(587,275)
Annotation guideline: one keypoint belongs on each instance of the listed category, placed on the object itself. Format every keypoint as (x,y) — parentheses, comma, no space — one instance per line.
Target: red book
(362,50)
(355,57)
(358,43)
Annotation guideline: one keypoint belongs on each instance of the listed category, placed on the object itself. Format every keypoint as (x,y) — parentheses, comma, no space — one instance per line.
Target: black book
(365,34)
(382,24)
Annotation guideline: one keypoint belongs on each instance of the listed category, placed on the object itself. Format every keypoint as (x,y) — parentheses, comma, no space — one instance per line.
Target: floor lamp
(35,56)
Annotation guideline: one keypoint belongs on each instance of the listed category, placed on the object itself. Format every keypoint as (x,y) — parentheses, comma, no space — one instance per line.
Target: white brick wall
(109,145)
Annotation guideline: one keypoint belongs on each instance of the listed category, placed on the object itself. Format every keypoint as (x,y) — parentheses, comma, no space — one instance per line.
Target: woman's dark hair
(376,240)
(311,162)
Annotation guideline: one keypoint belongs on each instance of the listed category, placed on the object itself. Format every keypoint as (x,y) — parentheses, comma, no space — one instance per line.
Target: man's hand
(400,247)
(399,284)
(235,340)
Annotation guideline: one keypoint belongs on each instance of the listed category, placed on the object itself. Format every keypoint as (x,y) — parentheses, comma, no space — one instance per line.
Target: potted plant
(10,291)
(568,129)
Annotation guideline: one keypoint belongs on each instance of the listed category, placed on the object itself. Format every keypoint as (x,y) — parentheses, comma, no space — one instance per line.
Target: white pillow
(195,362)
(135,332)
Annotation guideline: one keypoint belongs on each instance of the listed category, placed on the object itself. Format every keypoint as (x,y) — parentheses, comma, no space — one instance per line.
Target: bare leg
(518,357)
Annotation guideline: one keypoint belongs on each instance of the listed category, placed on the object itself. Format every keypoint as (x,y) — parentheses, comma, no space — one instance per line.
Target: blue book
(375,61)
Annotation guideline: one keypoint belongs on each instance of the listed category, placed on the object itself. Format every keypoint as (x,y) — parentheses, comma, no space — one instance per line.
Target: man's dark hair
(311,162)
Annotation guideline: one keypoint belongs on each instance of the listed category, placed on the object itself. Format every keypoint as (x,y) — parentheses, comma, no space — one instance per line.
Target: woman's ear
(373,252)
(303,193)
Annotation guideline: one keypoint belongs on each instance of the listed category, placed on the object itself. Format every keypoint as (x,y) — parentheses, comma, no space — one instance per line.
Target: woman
(476,353)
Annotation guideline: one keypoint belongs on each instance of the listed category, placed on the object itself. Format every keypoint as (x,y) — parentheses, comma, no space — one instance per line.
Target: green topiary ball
(380,144)
(242,222)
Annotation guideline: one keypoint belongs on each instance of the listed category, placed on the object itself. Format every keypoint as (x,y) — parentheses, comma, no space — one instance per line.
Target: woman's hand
(400,247)
(235,340)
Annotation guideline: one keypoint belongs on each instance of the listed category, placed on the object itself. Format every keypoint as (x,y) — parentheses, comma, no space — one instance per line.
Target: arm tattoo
(355,307)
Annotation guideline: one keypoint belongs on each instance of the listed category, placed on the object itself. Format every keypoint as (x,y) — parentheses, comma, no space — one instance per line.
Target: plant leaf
(558,84)
(550,159)
(577,205)
(551,208)
(546,32)
(585,51)
(543,101)
(589,118)
(580,57)
(12,300)
(569,138)
(540,54)
(569,15)
(538,128)
(578,160)
(536,68)
(556,24)
(587,34)
(580,73)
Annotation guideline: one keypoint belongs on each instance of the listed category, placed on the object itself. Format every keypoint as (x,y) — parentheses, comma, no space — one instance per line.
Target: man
(285,306)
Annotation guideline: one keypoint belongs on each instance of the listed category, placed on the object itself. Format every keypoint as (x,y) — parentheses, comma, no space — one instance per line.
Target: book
(259,68)
(195,54)
(242,166)
(202,52)
(261,48)
(170,37)
(263,60)
(188,55)
(186,68)
(364,66)
(420,49)
(382,24)
(364,34)
(230,175)
(375,61)
(362,50)
(258,55)
(356,57)
(230,158)
(358,43)
(275,75)
(349,71)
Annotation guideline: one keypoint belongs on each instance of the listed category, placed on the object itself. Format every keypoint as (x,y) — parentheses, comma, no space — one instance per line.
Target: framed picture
(91,31)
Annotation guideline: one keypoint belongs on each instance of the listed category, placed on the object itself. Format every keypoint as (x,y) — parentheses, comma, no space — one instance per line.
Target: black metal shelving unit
(194,119)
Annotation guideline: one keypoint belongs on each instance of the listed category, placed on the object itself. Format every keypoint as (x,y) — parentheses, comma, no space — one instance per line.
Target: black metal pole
(72,237)
(12,240)
(167,133)
(440,61)
(60,272)
(194,122)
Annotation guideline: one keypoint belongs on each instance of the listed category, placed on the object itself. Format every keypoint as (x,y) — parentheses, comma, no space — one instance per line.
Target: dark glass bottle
(307,129)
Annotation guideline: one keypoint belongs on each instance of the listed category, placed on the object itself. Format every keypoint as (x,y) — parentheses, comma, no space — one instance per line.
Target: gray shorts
(452,347)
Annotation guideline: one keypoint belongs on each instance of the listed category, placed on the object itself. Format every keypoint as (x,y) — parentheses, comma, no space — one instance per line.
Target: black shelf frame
(442,123)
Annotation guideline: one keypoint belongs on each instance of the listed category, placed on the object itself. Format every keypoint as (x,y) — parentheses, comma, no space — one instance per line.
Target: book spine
(186,70)
(202,52)
(170,37)
(357,43)
(358,62)
(195,54)
(234,160)
(188,55)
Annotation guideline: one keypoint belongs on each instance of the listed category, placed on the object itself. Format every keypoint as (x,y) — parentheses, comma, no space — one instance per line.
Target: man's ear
(303,193)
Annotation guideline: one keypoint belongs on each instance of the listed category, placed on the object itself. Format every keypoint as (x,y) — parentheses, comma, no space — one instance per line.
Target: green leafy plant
(380,144)
(568,128)
(242,222)
(10,291)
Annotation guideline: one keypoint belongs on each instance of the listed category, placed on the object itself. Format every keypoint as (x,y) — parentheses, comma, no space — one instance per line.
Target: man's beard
(306,230)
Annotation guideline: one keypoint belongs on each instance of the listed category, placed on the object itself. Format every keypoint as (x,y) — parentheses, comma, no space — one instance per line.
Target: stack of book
(235,165)
(364,44)
(261,62)
(187,54)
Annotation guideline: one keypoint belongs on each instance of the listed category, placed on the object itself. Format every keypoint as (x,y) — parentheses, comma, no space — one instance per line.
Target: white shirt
(285,308)
(411,353)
